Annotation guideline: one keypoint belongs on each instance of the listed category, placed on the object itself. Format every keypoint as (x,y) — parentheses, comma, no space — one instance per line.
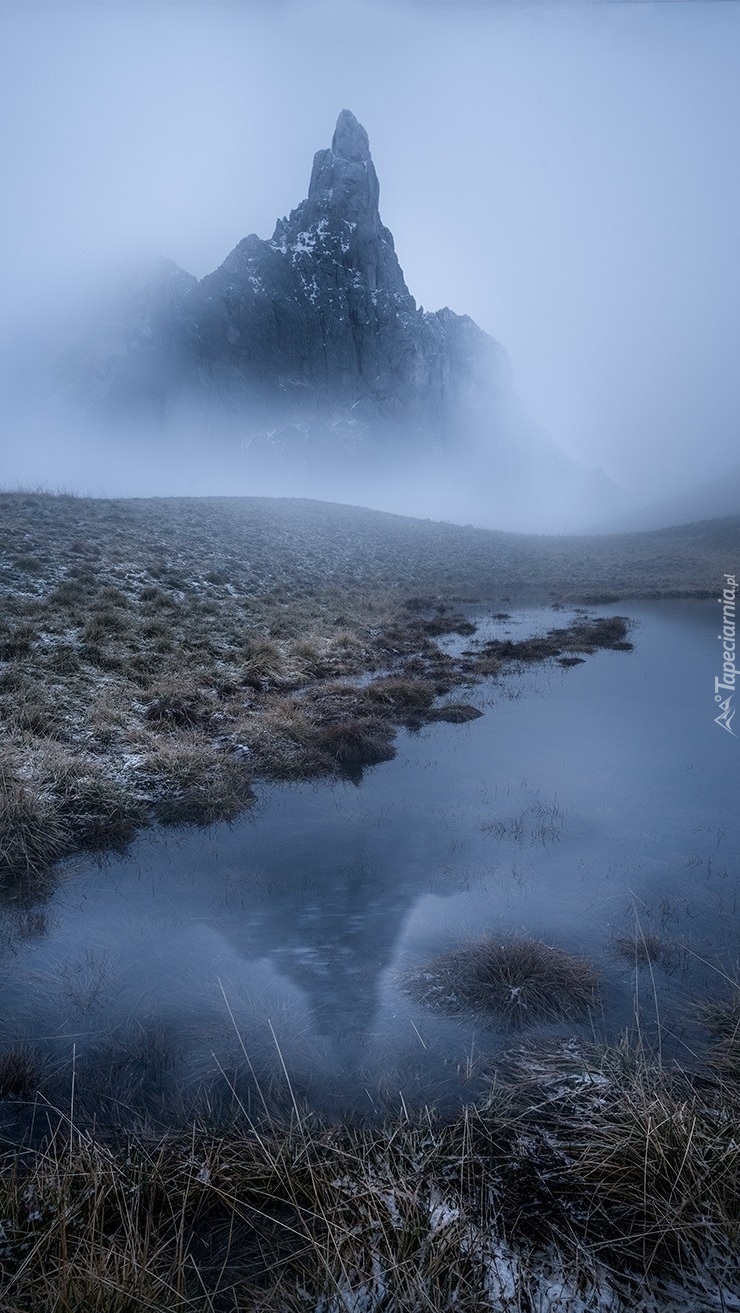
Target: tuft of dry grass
(400,695)
(97,812)
(35,716)
(454,713)
(723,1020)
(263,661)
(657,1168)
(643,948)
(178,705)
(32,832)
(282,740)
(357,743)
(193,782)
(519,981)
(104,623)
(16,641)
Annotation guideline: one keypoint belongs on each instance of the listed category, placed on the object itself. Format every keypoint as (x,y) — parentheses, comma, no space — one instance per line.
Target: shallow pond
(588,806)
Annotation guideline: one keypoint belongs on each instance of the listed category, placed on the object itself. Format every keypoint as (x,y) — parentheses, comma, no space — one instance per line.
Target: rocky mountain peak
(343,179)
(350,138)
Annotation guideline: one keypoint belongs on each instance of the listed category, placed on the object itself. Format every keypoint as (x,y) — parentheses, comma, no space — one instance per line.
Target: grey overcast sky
(567,174)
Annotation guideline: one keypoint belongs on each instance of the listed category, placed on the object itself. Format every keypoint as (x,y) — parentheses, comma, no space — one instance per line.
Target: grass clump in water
(356,743)
(455,713)
(400,695)
(518,981)
(196,783)
(643,948)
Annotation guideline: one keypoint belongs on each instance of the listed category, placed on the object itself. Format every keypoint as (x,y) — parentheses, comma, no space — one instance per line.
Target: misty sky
(566,174)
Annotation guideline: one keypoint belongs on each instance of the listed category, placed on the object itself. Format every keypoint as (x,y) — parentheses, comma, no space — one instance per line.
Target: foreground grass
(156,657)
(586,1180)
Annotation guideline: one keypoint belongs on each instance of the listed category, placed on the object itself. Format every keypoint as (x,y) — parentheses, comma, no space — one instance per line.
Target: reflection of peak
(340,943)
(341,987)
(335,937)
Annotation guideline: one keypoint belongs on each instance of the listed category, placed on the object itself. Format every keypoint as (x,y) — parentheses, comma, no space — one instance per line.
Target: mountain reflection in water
(587,807)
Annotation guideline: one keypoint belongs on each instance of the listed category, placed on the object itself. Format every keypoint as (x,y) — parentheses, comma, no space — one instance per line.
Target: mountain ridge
(713,499)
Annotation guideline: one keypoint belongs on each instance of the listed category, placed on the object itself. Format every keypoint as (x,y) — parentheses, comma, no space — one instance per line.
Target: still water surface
(586,804)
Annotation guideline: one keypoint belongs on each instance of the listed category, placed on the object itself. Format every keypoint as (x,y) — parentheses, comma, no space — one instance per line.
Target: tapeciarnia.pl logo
(726,684)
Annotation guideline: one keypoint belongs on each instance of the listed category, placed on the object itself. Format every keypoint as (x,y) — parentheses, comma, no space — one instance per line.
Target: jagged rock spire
(322,311)
(350,139)
(343,177)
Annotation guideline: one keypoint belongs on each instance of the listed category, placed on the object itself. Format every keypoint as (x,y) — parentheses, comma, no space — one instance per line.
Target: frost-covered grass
(156,657)
(586,1180)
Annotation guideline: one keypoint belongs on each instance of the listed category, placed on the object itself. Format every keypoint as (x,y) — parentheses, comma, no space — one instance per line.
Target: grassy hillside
(260,545)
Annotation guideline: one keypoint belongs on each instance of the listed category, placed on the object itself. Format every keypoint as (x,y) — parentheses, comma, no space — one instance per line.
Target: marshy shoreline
(157,660)
(158,657)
